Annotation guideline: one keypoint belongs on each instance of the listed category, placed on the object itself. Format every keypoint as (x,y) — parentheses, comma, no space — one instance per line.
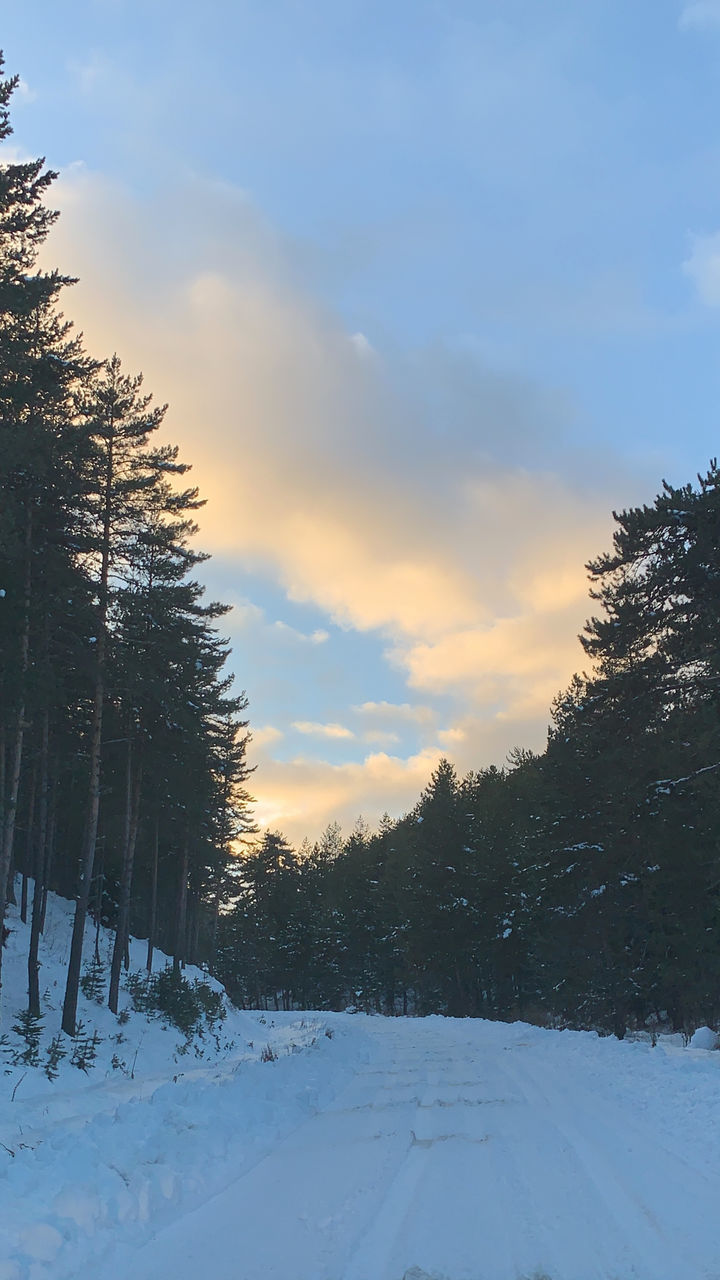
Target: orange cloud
(301,796)
(468,567)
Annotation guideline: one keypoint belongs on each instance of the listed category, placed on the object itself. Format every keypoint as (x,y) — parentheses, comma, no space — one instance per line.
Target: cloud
(396,712)
(92,72)
(314,471)
(381,737)
(516,666)
(23,92)
(703,267)
(701,14)
(320,636)
(322,730)
(246,615)
(361,345)
(475,740)
(12,154)
(301,796)
(415,498)
(451,737)
(266,735)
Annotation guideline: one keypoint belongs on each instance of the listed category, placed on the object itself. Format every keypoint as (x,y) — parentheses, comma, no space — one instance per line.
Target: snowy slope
(110,1150)
(389,1149)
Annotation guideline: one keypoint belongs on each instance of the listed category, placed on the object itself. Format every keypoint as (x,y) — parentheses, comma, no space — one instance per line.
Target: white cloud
(318,730)
(291,633)
(12,154)
(381,737)
(396,711)
(361,345)
(703,267)
(247,615)
(24,93)
(92,72)
(266,735)
(702,13)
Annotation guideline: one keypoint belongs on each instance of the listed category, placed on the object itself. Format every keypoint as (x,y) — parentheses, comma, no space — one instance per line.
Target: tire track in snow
(651,1208)
(449,1148)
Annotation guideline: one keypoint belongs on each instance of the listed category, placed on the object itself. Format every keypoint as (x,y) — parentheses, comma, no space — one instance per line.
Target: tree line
(579,886)
(122,741)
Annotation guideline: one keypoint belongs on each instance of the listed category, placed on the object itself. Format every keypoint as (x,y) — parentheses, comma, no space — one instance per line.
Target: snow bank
(153,1126)
(74,1186)
(704,1038)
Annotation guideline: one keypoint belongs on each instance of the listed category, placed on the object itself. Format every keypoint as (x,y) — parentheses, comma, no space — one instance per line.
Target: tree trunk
(194,934)
(96,911)
(215,921)
(82,900)
(29,860)
(11,797)
(3,760)
(50,852)
(41,869)
(153,898)
(132,816)
(181,912)
(72,985)
(10,898)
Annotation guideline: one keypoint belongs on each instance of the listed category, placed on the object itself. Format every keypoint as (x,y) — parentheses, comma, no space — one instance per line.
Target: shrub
(84,1048)
(54,1055)
(190,1006)
(92,982)
(29,1028)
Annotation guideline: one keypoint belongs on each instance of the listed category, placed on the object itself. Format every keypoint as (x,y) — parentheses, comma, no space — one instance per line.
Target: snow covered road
(471,1151)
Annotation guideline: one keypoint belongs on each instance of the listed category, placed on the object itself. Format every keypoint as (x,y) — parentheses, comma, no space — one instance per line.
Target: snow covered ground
(388,1149)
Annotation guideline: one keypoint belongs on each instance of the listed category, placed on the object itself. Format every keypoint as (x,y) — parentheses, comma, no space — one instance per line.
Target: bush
(190,1006)
(54,1055)
(29,1028)
(84,1048)
(92,982)
(139,987)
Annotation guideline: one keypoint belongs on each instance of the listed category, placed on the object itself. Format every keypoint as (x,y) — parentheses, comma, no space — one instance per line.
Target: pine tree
(117,421)
(633,749)
(153,589)
(40,365)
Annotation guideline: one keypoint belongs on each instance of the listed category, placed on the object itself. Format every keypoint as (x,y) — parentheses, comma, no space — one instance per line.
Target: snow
(704,1038)
(367,1149)
(94,1155)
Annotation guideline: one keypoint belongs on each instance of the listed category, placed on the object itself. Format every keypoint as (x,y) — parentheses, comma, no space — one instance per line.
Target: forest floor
(366,1148)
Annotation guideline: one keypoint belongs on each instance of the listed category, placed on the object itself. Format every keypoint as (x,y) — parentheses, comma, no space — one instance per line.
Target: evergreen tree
(40,365)
(117,421)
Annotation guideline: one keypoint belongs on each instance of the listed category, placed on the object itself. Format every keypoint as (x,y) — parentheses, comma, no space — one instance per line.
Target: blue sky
(431,287)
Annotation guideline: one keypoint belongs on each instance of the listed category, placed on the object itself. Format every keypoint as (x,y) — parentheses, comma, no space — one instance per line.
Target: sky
(431,287)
